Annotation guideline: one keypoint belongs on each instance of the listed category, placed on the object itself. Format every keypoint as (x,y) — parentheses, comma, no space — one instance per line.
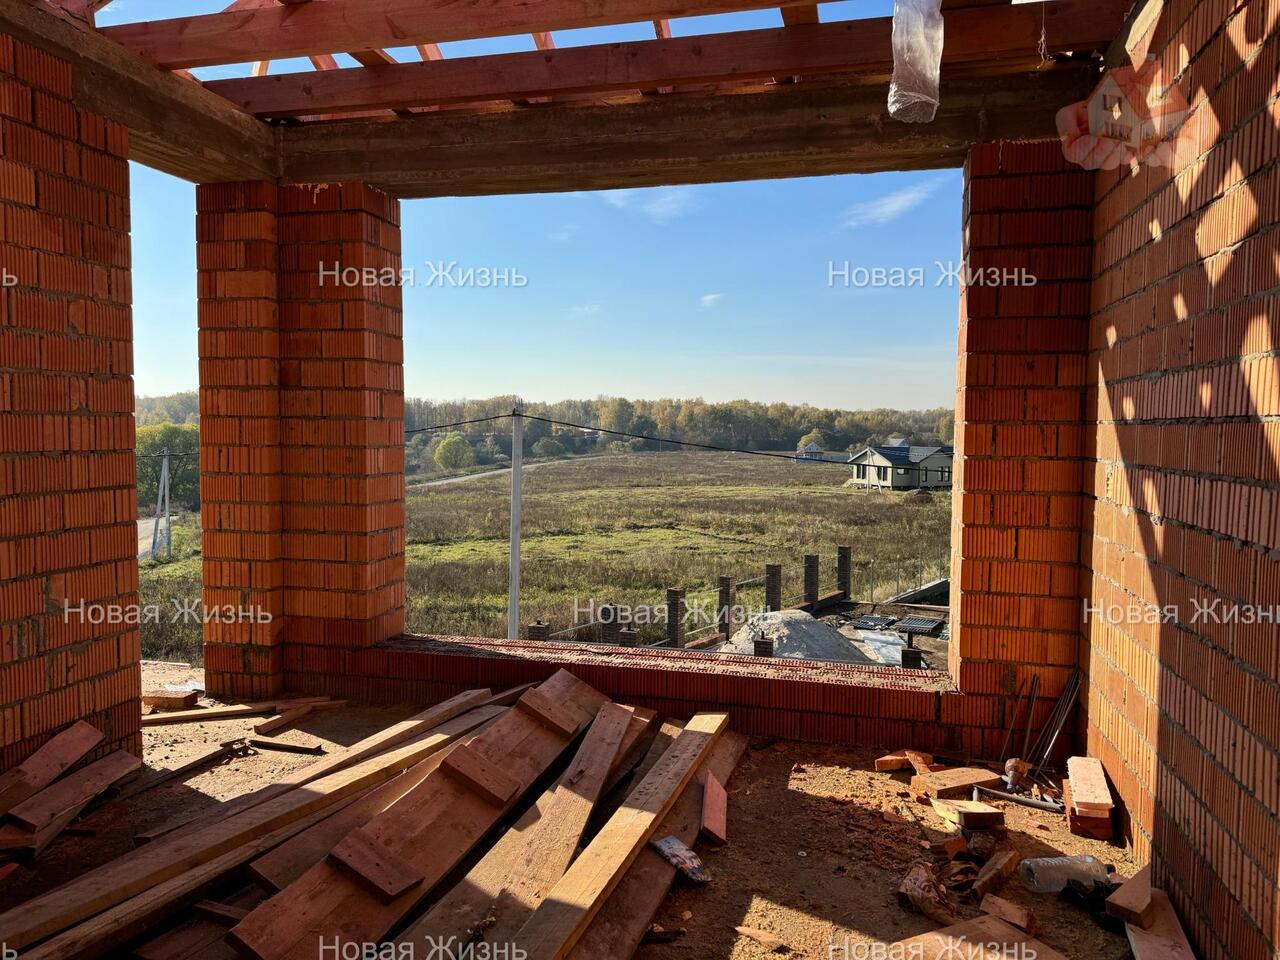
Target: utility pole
(162,503)
(513,569)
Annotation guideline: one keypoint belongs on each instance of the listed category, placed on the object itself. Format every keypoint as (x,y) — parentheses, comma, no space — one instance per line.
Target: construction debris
(1133,902)
(996,871)
(955,782)
(1010,912)
(922,892)
(677,853)
(171,699)
(765,939)
(969,814)
(1164,939)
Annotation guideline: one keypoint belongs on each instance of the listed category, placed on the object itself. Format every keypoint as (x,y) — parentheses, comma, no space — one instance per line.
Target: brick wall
(68,511)
(1184,385)
(302,424)
(1015,610)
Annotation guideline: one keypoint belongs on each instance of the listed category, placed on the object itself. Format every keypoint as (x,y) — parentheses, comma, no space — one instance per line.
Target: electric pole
(513,569)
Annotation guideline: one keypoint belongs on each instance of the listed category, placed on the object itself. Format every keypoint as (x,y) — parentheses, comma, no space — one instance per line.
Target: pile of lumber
(40,797)
(525,820)
(1088,799)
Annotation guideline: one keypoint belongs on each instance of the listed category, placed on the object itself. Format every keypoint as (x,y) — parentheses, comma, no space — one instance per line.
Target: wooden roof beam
(787,131)
(175,125)
(859,47)
(299,30)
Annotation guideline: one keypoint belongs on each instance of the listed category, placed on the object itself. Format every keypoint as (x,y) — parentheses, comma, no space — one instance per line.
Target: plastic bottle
(1050,874)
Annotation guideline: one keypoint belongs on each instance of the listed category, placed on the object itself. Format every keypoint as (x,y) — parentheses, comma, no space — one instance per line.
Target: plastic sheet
(917,60)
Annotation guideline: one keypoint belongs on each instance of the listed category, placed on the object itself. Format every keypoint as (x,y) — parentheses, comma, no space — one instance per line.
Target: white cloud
(891,206)
(659,204)
(710,299)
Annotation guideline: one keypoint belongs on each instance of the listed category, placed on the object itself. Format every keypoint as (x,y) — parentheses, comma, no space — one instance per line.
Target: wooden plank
(983,36)
(102,935)
(284,746)
(640,735)
(786,130)
(162,860)
(222,913)
(75,790)
(1164,939)
(25,844)
(1133,903)
(370,746)
(619,926)
(1089,790)
(715,811)
(171,699)
(486,779)
(996,871)
(174,125)
(970,814)
(278,868)
(1011,913)
(432,827)
(955,782)
(559,921)
(385,874)
(547,712)
(798,16)
(982,938)
(280,32)
(231,712)
(281,720)
(48,763)
(509,882)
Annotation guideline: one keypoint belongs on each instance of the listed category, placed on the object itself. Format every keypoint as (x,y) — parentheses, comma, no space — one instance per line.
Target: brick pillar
(302,441)
(811,578)
(1019,411)
(610,623)
(537,631)
(726,601)
(844,571)
(675,616)
(68,504)
(772,586)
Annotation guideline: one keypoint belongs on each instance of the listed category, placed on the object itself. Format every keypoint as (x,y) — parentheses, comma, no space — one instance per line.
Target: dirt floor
(818,841)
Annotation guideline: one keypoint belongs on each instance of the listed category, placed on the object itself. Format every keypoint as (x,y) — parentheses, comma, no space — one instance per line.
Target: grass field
(622,529)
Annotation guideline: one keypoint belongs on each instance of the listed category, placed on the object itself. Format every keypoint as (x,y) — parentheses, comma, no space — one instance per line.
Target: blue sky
(719,291)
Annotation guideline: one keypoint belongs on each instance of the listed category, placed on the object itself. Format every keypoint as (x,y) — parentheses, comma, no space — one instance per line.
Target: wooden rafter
(982,39)
(275,32)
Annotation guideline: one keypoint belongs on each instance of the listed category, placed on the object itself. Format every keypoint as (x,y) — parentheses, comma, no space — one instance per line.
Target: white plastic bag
(917,60)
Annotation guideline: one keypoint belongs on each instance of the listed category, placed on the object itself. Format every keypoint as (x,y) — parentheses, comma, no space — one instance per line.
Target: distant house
(901,466)
(811,451)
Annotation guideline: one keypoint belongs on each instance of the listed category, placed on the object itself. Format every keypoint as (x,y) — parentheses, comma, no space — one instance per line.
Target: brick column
(68,499)
(302,377)
(1019,410)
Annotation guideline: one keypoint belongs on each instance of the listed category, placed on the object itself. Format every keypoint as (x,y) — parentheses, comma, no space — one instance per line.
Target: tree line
(171,422)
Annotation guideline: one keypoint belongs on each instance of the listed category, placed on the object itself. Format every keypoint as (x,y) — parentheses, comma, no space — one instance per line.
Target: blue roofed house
(899,465)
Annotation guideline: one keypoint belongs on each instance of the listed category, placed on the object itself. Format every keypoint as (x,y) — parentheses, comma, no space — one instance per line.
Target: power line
(459,423)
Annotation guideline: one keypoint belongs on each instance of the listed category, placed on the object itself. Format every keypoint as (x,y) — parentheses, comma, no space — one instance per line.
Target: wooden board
(314,747)
(101,935)
(1009,912)
(509,882)
(1133,903)
(384,873)
(208,714)
(371,745)
(956,782)
(970,814)
(715,811)
(486,779)
(1089,790)
(48,763)
(170,856)
(223,913)
(75,790)
(982,938)
(996,871)
(23,843)
(171,699)
(546,711)
(279,867)
(432,827)
(1164,939)
(624,919)
(559,921)
(281,720)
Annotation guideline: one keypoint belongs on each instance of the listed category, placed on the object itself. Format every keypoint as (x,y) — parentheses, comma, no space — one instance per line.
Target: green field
(624,528)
